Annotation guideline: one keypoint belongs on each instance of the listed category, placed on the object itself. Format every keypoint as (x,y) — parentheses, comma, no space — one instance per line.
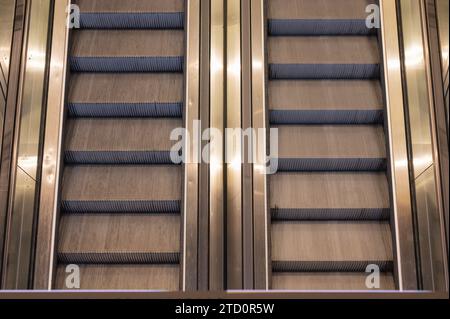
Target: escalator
(120,216)
(330,200)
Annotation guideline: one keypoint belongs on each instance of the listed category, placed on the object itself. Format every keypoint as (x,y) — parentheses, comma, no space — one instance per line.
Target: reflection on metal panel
(217,204)
(428,219)
(423,146)
(21,224)
(44,263)
(191,193)
(6,31)
(401,199)
(233,147)
(261,218)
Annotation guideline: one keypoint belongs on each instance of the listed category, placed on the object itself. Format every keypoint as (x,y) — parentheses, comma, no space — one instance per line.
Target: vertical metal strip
(247,166)
(438,118)
(261,220)
(233,146)
(203,223)
(49,199)
(401,196)
(191,168)
(216,192)
(11,129)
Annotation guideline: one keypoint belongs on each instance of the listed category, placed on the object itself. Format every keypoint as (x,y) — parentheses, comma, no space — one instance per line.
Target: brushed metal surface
(405,272)
(234,154)
(217,169)
(190,211)
(261,221)
(48,204)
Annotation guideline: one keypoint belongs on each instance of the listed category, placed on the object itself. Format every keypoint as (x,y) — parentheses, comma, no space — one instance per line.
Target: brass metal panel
(233,148)
(331,141)
(204,169)
(127,43)
(247,166)
(217,170)
(318,9)
(120,134)
(9,127)
(329,190)
(119,233)
(331,241)
(190,211)
(122,183)
(261,221)
(123,277)
(324,50)
(405,272)
(328,281)
(48,204)
(139,6)
(431,246)
(7,8)
(325,95)
(125,88)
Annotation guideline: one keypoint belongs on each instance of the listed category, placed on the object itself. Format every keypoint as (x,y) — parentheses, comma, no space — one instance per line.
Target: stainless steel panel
(190,211)
(401,196)
(261,220)
(233,148)
(217,169)
(20,226)
(48,207)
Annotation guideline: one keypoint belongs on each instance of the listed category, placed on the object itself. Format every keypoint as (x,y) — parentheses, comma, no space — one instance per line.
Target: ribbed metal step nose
(141,20)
